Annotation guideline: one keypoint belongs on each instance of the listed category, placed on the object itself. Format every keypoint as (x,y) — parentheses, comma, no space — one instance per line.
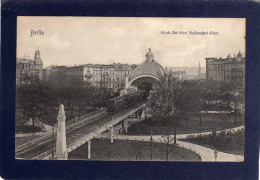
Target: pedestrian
(215,154)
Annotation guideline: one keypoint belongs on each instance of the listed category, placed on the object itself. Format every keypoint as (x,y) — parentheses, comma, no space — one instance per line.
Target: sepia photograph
(130,89)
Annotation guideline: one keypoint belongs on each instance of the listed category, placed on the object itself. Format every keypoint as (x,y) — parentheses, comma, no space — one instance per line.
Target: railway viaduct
(69,137)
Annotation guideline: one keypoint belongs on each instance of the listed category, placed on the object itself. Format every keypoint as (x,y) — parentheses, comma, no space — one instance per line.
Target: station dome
(149,55)
(149,68)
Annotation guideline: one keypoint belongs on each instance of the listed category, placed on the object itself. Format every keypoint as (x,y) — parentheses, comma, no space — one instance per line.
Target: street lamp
(151,144)
(53,141)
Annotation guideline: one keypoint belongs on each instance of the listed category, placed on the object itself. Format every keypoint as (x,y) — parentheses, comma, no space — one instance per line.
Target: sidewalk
(205,153)
(183,136)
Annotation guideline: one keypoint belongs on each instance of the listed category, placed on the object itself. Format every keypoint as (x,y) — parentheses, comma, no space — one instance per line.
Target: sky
(81,40)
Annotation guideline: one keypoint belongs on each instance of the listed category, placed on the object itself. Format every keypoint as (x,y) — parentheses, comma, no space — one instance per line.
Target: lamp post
(52,152)
(151,144)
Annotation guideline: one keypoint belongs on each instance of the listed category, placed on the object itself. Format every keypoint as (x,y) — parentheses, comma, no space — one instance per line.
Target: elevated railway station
(147,73)
(69,135)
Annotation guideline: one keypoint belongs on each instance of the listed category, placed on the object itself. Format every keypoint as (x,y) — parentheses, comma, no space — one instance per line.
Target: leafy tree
(162,102)
(167,139)
(75,95)
(188,100)
(33,98)
(236,98)
(226,96)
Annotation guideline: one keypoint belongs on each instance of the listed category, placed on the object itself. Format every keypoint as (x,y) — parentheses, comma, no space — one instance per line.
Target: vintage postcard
(130,89)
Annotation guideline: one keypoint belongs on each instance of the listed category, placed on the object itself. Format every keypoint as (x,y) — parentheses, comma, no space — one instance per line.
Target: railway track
(47,143)
(78,130)
(22,141)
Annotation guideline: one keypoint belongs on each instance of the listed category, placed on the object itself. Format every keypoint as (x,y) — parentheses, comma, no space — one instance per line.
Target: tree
(236,98)
(199,99)
(167,139)
(162,102)
(226,96)
(33,98)
(209,93)
(188,100)
(75,95)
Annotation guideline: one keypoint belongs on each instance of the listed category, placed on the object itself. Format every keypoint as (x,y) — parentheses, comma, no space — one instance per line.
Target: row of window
(99,73)
(103,69)
(27,66)
(222,75)
(221,66)
(109,85)
(111,72)
(110,79)
(75,69)
(123,72)
(74,73)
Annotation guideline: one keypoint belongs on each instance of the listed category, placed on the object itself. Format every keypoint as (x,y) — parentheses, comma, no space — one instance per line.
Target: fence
(27,141)
(23,140)
(77,119)
(90,134)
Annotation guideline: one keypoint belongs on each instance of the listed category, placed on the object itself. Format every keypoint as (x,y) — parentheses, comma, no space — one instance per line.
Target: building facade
(180,75)
(122,71)
(31,67)
(103,76)
(226,70)
(55,74)
(110,76)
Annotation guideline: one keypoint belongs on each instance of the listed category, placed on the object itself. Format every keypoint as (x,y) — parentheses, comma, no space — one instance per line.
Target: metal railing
(99,129)
(29,141)
(77,119)
(93,132)
(22,140)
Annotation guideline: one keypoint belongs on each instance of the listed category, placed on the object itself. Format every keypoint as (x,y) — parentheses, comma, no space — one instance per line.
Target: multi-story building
(110,76)
(121,71)
(27,66)
(97,75)
(179,74)
(55,74)
(76,73)
(103,76)
(226,70)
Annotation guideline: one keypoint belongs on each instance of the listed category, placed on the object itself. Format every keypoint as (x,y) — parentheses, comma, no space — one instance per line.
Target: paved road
(205,153)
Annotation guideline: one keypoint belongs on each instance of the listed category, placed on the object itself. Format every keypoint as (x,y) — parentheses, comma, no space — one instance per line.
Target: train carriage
(116,103)
(127,100)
